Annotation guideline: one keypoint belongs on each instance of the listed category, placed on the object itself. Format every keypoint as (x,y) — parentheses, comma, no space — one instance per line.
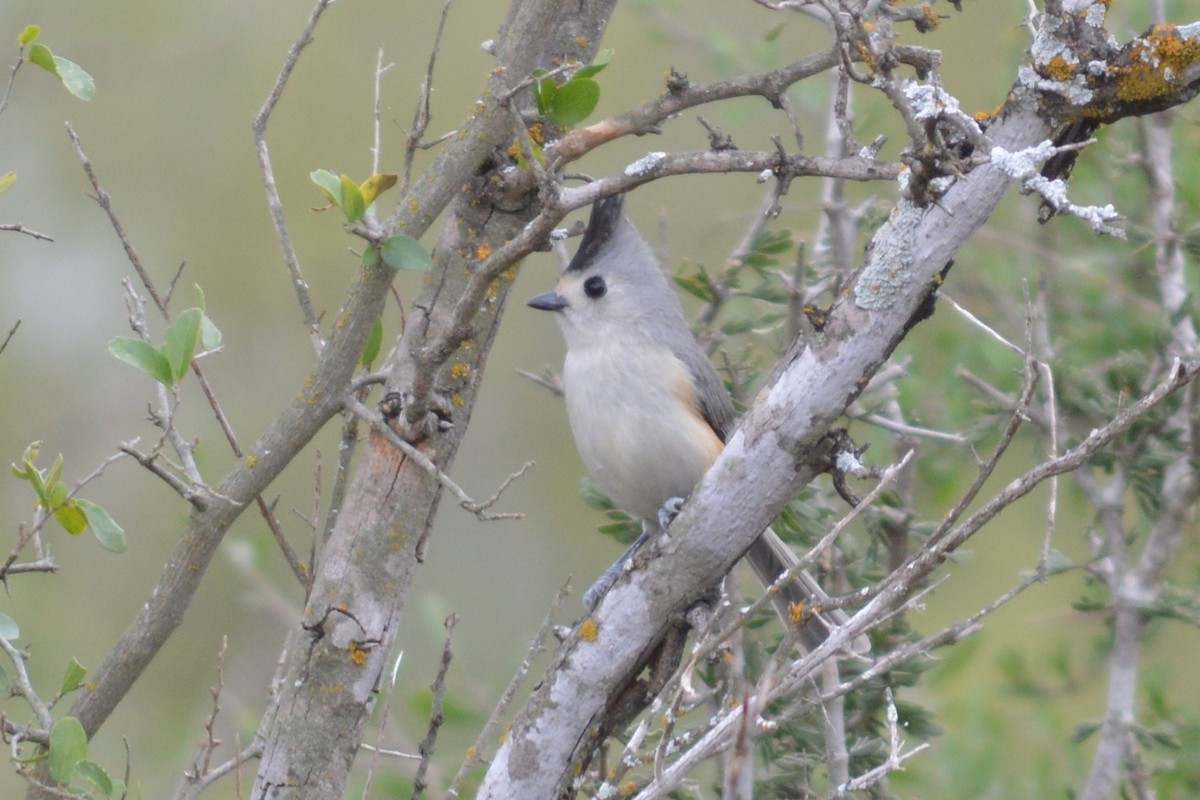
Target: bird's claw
(592,597)
(669,511)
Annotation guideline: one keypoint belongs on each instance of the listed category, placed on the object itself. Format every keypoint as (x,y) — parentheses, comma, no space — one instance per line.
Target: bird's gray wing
(711,396)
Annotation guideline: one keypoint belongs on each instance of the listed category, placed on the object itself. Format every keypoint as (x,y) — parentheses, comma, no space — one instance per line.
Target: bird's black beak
(550,301)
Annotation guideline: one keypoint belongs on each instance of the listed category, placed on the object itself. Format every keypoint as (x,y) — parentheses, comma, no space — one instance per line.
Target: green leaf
(1083,731)
(329,183)
(39,484)
(5,683)
(68,746)
(71,518)
(73,677)
(40,55)
(108,532)
(55,471)
(57,496)
(210,336)
(179,348)
(370,257)
(30,34)
(698,285)
(75,78)
(405,252)
(574,101)
(543,91)
(8,627)
(95,774)
(142,355)
(598,64)
(27,471)
(199,297)
(352,205)
(6,181)
(374,343)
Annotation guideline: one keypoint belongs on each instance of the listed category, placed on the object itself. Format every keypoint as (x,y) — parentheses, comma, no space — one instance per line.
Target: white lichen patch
(889,266)
(644,165)
(1025,166)
(1075,91)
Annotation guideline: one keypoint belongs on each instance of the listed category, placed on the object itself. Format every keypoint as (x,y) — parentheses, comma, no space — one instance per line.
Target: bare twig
(487,733)
(435,714)
(211,742)
(422,116)
(22,687)
(380,69)
(102,197)
(274,203)
(9,335)
(12,78)
(17,227)
(905,429)
(978,323)
(151,462)
(421,460)
(896,755)
(384,715)
(234,764)
(1038,324)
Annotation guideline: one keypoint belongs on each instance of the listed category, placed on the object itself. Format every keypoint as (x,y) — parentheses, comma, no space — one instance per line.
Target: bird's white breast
(633,414)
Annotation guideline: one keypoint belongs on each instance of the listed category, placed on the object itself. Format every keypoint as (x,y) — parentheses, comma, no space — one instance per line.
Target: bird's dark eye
(594,287)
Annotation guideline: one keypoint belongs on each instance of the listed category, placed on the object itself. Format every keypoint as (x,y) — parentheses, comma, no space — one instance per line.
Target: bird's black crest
(601,227)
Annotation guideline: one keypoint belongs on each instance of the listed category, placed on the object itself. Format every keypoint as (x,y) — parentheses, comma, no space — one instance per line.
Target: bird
(647,409)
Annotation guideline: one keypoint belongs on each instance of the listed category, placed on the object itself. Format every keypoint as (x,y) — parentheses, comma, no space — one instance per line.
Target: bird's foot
(669,511)
(592,597)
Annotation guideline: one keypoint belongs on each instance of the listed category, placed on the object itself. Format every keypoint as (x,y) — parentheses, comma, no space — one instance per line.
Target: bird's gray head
(613,286)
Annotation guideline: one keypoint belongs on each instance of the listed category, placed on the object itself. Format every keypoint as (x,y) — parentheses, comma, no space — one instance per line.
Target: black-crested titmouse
(648,411)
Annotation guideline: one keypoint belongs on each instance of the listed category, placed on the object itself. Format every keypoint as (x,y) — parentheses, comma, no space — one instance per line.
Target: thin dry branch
(376,146)
(435,713)
(423,115)
(487,734)
(105,201)
(479,509)
(17,227)
(8,337)
(22,687)
(274,203)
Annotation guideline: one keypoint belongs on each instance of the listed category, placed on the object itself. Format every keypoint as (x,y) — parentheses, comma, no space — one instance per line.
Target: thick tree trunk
(338,654)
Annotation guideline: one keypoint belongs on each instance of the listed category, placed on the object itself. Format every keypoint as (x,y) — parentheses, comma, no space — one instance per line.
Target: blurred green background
(169,134)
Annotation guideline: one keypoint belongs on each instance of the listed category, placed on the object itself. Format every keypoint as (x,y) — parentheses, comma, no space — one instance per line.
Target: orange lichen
(864,54)
(931,18)
(1059,69)
(357,654)
(460,371)
(589,630)
(797,612)
(482,252)
(1157,65)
